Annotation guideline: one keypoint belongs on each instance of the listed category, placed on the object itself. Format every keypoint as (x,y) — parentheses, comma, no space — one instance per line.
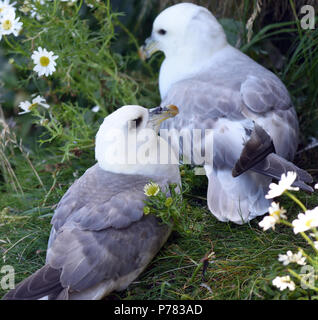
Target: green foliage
(171,208)
(88,72)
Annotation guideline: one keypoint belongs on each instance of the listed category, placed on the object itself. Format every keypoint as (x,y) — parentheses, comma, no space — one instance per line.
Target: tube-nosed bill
(148,49)
(159,114)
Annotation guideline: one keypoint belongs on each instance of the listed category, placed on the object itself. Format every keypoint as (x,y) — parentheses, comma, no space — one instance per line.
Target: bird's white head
(187,34)
(128,142)
(185,28)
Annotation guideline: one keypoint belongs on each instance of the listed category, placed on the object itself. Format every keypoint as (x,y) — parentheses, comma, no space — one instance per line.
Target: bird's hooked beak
(148,49)
(159,114)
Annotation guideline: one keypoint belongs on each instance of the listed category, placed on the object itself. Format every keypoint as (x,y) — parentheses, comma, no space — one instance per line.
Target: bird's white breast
(188,64)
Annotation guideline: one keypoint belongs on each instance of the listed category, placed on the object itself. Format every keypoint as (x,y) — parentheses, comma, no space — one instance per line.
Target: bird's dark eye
(162,31)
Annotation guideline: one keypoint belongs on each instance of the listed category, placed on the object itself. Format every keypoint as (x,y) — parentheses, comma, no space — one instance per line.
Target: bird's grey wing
(39,284)
(101,199)
(264,93)
(208,102)
(229,95)
(80,260)
(210,107)
(199,100)
(87,201)
(94,256)
(101,231)
(267,101)
(101,235)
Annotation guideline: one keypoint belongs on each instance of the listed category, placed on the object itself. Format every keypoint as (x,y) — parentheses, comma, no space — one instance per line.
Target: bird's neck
(184,64)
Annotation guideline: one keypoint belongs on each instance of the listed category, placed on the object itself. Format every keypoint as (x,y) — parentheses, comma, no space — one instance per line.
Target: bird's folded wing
(78,260)
(229,107)
(202,100)
(43,281)
(208,95)
(100,231)
(263,94)
(101,199)
(100,234)
(86,258)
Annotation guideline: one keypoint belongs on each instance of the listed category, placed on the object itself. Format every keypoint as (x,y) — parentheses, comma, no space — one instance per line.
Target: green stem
(79,7)
(308,257)
(295,199)
(315,232)
(285,223)
(8,42)
(296,275)
(16,46)
(304,235)
(199,266)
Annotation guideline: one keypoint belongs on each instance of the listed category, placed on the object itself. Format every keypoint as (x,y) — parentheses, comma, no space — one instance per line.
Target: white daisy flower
(284,184)
(316,244)
(6,7)
(268,222)
(299,258)
(26,106)
(276,211)
(95,109)
(306,221)
(10,24)
(283,283)
(44,62)
(290,257)
(275,214)
(316,186)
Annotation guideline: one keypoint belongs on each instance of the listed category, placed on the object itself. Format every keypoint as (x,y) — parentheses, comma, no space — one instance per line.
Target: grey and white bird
(247,107)
(100,240)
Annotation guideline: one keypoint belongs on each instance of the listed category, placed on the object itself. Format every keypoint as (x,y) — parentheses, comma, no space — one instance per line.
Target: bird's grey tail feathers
(274,166)
(44,282)
(259,156)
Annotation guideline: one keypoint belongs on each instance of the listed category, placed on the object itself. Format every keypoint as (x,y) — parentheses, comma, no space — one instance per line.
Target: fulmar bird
(248,109)
(101,240)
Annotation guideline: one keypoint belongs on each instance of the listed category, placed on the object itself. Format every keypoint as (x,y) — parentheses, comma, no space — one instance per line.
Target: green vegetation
(44,151)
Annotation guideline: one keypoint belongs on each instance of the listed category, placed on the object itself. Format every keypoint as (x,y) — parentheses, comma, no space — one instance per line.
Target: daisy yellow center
(275,213)
(32,106)
(44,61)
(7,25)
(308,223)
